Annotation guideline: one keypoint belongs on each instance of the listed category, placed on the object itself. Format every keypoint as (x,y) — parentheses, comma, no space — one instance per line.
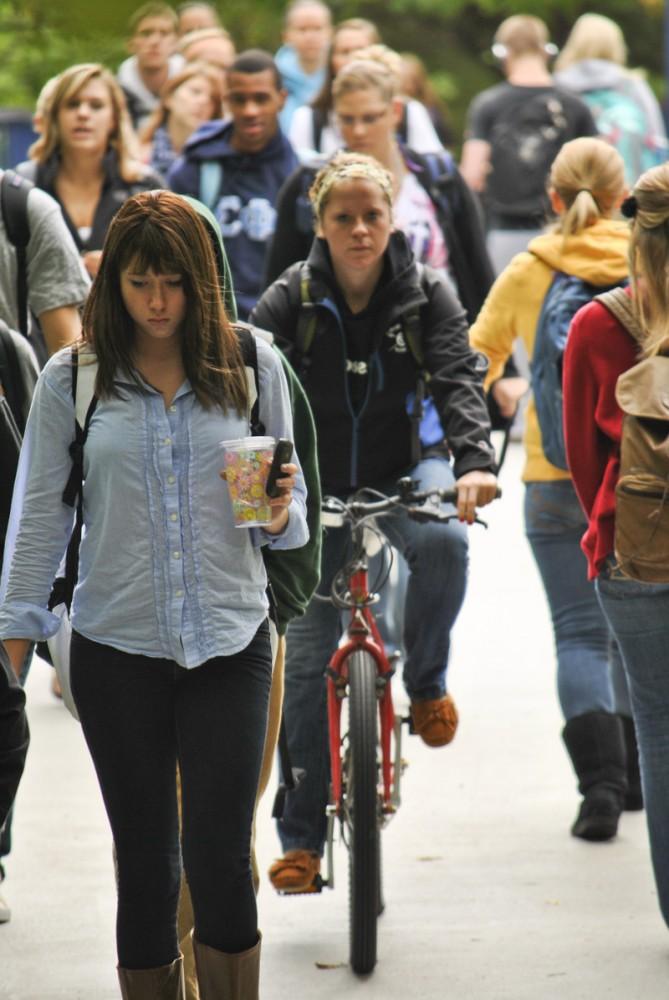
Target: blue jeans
(638,614)
(590,676)
(437,558)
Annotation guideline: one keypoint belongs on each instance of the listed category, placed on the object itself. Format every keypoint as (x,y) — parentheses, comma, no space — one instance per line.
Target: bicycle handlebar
(336,512)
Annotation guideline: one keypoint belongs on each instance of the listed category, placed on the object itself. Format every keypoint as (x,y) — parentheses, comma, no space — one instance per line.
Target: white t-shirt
(416,216)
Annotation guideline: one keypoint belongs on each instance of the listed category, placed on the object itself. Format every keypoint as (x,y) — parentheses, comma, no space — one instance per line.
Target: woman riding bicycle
(349,319)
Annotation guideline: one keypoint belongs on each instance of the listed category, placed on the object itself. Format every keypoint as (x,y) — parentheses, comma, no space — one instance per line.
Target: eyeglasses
(371,118)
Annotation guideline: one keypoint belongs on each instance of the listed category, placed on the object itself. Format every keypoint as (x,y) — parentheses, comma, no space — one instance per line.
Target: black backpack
(14,191)
(524,147)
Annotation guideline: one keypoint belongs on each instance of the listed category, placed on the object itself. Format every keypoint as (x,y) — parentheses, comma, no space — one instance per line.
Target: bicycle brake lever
(424,514)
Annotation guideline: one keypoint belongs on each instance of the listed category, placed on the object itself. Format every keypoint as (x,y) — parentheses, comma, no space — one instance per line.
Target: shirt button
(179,593)
(171,479)
(167,441)
(173,517)
(176,554)
(173,409)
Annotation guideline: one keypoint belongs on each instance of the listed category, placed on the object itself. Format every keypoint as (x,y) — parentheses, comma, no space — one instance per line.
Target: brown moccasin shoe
(435,721)
(296,871)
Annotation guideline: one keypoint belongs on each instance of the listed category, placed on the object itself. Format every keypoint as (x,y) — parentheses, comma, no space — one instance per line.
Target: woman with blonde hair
(431,203)
(363,282)
(592,65)
(585,250)
(600,349)
(86,156)
(188,99)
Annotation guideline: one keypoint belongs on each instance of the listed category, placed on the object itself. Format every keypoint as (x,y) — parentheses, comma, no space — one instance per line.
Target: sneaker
(297,871)
(435,721)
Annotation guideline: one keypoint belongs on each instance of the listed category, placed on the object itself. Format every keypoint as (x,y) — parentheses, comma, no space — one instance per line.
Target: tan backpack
(642,493)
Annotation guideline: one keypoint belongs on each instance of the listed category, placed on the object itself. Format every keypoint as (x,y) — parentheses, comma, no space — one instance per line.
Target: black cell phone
(282,454)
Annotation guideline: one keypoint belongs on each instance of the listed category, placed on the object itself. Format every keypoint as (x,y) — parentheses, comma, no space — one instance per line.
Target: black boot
(595,743)
(634,797)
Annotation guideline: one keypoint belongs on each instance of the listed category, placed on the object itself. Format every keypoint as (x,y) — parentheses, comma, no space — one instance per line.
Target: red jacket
(598,350)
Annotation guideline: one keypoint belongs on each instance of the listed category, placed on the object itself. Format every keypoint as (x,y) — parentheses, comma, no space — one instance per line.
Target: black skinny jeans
(140,716)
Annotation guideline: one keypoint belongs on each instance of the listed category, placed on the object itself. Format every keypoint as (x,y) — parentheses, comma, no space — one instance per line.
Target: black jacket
(457,212)
(115,191)
(14,735)
(368,444)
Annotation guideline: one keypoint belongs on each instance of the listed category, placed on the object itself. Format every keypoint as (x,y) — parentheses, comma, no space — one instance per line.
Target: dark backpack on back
(14,191)
(641,540)
(524,147)
(566,295)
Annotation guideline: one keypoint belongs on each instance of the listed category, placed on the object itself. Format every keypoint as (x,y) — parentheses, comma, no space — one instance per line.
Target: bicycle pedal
(316,886)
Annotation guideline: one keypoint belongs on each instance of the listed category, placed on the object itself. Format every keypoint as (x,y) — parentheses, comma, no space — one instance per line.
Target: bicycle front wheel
(363,812)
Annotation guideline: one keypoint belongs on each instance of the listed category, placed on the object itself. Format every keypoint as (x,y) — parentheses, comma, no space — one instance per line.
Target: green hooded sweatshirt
(293,573)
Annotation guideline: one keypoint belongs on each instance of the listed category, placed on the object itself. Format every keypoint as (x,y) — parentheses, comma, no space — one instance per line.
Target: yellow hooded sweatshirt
(598,254)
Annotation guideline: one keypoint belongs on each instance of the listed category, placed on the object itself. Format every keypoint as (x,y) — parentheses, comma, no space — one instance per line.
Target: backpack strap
(85,402)
(211,182)
(307,322)
(318,122)
(620,305)
(247,342)
(402,130)
(14,191)
(11,380)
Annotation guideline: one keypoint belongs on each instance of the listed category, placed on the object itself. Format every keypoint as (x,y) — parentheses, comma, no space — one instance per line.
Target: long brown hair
(122,138)
(160,231)
(649,256)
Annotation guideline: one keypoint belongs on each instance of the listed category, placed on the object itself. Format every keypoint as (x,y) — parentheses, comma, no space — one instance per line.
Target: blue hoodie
(301,86)
(244,206)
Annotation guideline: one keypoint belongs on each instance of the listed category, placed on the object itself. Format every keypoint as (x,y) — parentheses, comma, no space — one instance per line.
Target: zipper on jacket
(355,437)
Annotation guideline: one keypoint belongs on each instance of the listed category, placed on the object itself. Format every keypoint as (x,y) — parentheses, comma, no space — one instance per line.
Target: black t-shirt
(526,128)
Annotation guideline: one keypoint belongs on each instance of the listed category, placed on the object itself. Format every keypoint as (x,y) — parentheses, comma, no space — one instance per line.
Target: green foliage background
(38,38)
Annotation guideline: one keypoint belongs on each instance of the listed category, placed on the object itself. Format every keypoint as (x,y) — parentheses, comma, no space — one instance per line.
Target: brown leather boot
(163,983)
(224,976)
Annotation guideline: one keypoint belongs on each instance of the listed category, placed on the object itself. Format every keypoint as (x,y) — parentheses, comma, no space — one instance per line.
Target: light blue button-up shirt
(163,571)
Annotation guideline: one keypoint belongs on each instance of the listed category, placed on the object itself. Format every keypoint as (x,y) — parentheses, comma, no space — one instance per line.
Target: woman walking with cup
(170,658)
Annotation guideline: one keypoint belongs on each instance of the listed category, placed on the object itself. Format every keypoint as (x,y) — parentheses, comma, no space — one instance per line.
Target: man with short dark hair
(152,38)
(237,168)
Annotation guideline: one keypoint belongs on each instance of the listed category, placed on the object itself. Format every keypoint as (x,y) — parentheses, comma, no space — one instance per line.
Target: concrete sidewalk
(487,895)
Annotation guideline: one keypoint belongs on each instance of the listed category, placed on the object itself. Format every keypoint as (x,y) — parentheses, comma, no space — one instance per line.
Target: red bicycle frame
(362,634)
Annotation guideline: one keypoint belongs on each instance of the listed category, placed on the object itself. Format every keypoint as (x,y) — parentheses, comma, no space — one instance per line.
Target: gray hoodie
(599,74)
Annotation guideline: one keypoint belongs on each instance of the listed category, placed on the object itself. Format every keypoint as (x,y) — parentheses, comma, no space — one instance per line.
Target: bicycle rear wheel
(363,812)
